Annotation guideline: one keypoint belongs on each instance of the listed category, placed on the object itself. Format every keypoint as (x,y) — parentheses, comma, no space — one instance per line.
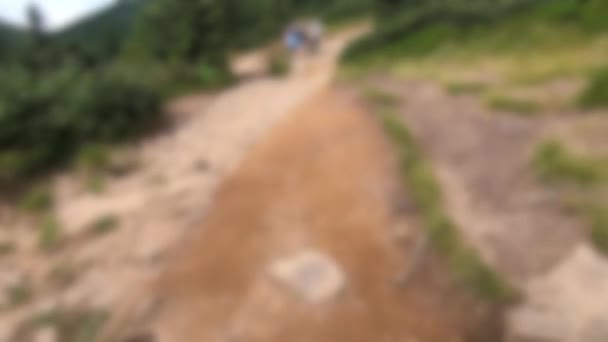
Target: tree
(186,31)
(36,25)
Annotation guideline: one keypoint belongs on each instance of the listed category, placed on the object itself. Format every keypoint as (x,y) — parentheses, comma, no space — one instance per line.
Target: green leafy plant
(49,236)
(596,93)
(104,225)
(512,104)
(37,200)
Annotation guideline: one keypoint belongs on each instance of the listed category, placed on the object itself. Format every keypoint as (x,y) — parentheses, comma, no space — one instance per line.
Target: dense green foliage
(65,109)
(417,27)
(101,36)
(596,93)
(10,39)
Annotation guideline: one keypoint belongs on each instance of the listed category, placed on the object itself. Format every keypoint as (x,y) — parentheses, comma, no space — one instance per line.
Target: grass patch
(37,200)
(599,228)
(104,225)
(444,235)
(278,65)
(19,295)
(94,158)
(554,163)
(381,98)
(70,325)
(49,235)
(95,183)
(595,95)
(515,105)
(461,88)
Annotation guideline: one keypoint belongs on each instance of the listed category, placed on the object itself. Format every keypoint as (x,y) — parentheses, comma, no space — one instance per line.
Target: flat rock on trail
(325,180)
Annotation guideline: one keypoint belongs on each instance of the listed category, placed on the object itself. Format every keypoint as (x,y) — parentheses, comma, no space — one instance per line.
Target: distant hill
(105,31)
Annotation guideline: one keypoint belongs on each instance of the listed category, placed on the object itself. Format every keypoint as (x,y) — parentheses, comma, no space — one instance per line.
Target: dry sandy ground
(325,180)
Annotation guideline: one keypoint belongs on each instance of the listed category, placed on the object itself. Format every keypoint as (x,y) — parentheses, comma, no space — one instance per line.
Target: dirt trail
(483,161)
(325,180)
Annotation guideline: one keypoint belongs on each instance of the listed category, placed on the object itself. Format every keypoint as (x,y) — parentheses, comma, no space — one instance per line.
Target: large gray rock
(311,275)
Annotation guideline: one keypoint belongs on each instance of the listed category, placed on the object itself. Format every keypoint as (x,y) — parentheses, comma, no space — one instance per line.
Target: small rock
(312,275)
(46,334)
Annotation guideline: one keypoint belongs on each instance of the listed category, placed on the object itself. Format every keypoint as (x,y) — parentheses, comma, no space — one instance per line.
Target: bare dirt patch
(326,181)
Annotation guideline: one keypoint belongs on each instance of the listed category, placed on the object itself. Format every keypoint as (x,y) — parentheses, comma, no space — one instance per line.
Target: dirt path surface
(324,181)
(521,227)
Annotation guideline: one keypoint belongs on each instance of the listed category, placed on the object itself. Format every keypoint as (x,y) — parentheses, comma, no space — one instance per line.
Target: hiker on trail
(294,39)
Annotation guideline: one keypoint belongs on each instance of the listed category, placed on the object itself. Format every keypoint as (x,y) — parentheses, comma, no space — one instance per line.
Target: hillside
(107,28)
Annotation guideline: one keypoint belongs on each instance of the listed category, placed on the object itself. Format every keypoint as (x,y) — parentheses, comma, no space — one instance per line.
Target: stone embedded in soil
(311,275)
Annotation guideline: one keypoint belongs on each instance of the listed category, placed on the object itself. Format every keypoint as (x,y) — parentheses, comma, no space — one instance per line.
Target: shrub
(46,118)
(112,106)
(596,93)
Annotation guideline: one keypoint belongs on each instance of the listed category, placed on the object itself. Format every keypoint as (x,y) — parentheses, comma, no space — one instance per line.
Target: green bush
(596,93)
(46,118)
(112,106)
